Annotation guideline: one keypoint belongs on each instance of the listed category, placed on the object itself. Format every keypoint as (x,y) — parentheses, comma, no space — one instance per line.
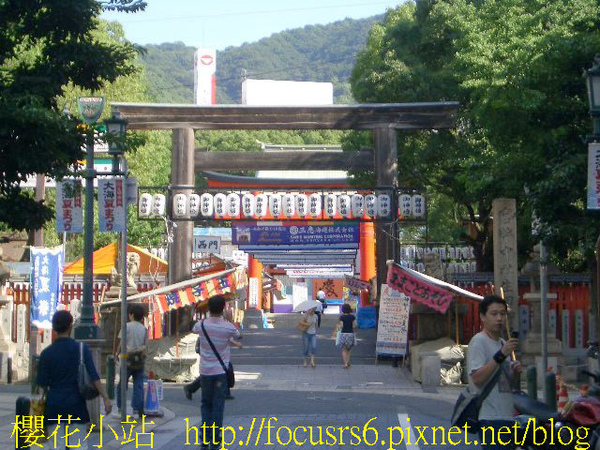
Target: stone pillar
(386,174)
(182,173)
(506,274)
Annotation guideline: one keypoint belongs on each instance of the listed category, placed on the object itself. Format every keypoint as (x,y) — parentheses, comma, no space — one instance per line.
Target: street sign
(207,244)
(112,207)
(90,108)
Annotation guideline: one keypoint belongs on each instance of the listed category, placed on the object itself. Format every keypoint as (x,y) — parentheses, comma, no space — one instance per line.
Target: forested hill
(312,53)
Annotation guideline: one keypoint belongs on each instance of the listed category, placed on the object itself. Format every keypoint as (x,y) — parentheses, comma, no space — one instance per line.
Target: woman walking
(309,337)
(345,327)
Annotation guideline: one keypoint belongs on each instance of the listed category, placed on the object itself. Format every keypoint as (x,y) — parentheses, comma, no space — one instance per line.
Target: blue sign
(46,284)
(296,235)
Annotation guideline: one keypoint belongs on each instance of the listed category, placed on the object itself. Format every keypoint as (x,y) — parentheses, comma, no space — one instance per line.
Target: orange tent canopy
(105,258)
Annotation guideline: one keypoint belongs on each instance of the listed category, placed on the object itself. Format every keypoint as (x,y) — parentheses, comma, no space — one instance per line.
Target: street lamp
(115,132)
(593,88)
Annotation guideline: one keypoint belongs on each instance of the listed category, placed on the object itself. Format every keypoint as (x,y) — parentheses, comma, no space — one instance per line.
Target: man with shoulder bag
(215,370)
(491,371)
(137,340)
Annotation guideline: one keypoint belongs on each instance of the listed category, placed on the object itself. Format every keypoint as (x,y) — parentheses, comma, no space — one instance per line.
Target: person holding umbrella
(308,326)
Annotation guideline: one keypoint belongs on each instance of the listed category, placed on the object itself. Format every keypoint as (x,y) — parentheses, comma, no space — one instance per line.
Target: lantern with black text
(405,206)
(145,205)
(275,205)
(371,205)
(248,205)
(179,205)
(288,205)
(384,205)
(220,205)
(261,204)
(418,206)
(330,205)
(314,205)
(206,205)
(343,205)
(158,205)
(358,205)
(302,205)
(233,205)
(194,205)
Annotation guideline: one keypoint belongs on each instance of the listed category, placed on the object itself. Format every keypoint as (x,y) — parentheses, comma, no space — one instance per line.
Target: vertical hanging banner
(69,211)
(111,205)
(593,188)
(46,284)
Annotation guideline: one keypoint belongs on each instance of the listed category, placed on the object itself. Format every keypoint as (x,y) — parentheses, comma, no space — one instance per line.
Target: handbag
(302,325)
(229,369)
(37,406)
(468,404)
(86,387)
(338,338)
(136,359)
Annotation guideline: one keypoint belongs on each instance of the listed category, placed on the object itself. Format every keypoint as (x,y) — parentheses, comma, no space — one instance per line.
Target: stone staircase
(289,320)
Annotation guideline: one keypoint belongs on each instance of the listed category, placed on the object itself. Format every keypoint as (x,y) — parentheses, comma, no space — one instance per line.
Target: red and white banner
(112,211)
(69,212)
(418,290)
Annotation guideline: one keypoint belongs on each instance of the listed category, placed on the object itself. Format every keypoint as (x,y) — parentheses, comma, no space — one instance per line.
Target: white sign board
(253,292)
(69,211)
(392,329)
(207,244)
(112,211)
(593,188)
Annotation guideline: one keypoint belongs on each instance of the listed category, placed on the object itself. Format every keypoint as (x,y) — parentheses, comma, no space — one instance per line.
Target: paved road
(272,384)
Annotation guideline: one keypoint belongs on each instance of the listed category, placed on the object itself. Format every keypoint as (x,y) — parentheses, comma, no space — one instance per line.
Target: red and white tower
(205,81)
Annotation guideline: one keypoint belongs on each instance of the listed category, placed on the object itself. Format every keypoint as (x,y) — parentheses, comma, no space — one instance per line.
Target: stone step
(289,320)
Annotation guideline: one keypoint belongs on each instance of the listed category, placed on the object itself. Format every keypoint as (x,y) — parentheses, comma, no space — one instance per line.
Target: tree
(44,47)
(515,66)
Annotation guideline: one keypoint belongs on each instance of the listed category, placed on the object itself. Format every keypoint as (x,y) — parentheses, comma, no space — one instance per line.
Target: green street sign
(90,108)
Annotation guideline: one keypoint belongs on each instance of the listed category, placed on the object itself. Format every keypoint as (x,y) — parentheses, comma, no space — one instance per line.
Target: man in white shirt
(137,339)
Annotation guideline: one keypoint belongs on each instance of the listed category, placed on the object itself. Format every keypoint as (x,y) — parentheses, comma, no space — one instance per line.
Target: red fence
(571,305)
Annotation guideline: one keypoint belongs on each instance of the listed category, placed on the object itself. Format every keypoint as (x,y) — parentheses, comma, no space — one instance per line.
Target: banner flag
(46,284)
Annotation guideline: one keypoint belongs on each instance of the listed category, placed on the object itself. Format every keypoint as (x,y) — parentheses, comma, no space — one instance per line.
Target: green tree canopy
(44,47)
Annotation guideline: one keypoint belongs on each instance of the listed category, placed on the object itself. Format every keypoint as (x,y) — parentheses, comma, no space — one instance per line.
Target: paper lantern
(220,205)
(405,206)
(275,205)
(302,205)
(158,205)
(314,206)
(421,267)
(371,205)
(384,205)
(194,205)
(452,253)
(206,205)
(288,205)
(473,266)
(418,206)
(248,205)
(145,205)
(344,206)
(330,207)
(261,203)
(233,205)
(358,205)
(179,205)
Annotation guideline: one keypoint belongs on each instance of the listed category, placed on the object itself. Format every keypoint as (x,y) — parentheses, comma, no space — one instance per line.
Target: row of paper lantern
(249,206)
(453,267)
(446,253)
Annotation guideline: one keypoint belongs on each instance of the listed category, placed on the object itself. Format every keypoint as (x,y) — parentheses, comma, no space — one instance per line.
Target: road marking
(404,422)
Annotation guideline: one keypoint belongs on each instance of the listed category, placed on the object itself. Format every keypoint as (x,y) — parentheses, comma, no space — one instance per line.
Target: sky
(218,24)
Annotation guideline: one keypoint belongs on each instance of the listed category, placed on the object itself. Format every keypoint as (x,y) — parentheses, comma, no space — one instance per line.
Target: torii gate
(382,119)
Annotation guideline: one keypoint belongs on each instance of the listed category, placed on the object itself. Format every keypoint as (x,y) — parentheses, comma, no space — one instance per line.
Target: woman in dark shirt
(346,326)
(58,370)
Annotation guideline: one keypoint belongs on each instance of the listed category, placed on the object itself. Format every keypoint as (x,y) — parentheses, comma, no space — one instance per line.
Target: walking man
(137,339)
(212,376)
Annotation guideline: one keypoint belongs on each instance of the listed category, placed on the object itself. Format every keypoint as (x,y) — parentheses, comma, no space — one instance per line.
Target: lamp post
(90,109)
(116,129)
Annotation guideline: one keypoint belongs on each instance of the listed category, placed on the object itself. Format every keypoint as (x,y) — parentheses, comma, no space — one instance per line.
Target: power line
(247,13)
